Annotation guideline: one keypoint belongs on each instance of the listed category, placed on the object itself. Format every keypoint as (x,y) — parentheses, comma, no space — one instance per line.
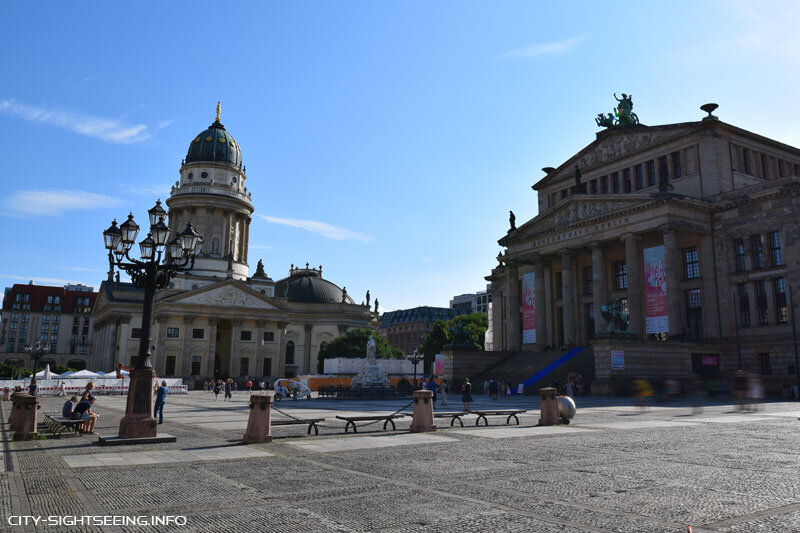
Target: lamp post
(415,358)
(161,259)
(36,352)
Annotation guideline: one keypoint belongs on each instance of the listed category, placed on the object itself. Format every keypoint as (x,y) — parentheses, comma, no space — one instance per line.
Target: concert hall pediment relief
(574,212)
(615,146)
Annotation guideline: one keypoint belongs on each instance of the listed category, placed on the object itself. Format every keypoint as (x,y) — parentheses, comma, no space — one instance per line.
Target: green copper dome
(214,145)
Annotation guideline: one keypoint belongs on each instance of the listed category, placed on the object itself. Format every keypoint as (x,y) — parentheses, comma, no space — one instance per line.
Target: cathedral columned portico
(685,227)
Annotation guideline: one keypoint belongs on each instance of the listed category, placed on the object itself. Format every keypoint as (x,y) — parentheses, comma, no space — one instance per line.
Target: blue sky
(384,140)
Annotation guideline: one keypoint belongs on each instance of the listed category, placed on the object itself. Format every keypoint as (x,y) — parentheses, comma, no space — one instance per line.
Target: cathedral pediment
(576,211)
(226,294)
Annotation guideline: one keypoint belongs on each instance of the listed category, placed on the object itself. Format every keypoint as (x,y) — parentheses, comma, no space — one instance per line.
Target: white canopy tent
(82,374)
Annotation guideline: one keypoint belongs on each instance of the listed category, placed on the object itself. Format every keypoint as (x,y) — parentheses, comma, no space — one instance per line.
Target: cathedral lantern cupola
(211,192)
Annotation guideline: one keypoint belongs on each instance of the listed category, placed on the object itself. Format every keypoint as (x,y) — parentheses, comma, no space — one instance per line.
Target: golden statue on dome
(218,110)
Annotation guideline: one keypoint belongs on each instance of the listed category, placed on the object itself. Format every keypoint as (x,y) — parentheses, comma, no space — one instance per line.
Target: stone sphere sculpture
(566,408)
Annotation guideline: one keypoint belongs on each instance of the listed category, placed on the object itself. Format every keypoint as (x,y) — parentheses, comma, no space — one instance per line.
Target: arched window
(289,352)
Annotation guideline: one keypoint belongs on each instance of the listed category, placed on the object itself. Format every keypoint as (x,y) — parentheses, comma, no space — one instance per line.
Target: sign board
(529,308)
(709,360)
(655,291)
(617,360)
(438,364)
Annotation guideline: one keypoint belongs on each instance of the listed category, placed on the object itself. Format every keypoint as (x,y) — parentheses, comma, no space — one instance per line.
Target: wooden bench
(454,415)
(57,424)
(351,420)
(312,423)
(510,413)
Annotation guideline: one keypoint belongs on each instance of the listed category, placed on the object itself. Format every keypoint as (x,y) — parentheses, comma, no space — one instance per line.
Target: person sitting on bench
(83,411)
(69,407)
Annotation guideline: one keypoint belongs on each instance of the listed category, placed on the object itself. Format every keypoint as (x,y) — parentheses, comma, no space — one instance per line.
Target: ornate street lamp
(159,263)
(415,358)
(36,352)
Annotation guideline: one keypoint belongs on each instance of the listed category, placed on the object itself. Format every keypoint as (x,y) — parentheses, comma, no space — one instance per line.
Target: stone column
(159,360)
(672,265)
(122,347)
(258,368)
(184,369)
(548,307)
(246,238)
(634,268)
(111,342)
(236,333)
(281,362)
(514,332)
(212,346)
(540,303)
(307,349)
(497,316)
(599,288)
(568,295)
(711,323)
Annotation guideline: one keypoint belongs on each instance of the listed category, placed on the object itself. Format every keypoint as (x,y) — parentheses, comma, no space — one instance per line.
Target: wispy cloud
(107,129)
(51,202)
(57,281)
(77,269)
(326,230)
(153,189)
(541,49)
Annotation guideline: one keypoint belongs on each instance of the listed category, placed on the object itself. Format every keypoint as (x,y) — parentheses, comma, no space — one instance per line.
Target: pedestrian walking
(433,388)
(228,389)
(466,394)
(249,386)
(62,390)
(486,390)
(161,399)
(443,392)
(740,389)
(217,387)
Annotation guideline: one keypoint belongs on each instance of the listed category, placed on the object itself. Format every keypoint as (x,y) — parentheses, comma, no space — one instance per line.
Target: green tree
(354,344)
(474,324)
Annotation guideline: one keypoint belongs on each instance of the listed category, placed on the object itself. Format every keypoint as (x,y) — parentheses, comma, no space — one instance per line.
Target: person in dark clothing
(83,411)
(466,394)
(69,407)
(161,399)
(32,387)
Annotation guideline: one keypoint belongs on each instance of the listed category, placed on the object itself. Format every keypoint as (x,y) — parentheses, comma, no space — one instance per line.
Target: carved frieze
(227,297)
(616,146)
(577,212)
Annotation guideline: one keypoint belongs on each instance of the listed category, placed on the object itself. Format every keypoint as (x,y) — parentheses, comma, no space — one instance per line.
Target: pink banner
(655,276)
(529,308)
(438,364)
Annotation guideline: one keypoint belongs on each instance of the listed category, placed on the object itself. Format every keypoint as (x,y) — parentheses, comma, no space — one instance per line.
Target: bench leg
(478,421)
(313,425)
(453,421)
(508,420)
(350,423)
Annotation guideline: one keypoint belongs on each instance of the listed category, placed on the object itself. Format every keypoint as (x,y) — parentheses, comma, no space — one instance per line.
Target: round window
(194,286)
(204,175)
(234,179)
(171,285)
(190,176)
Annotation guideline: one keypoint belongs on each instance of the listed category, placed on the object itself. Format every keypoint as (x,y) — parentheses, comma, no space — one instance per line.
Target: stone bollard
(26,420)
(6,393)
(259,425)
(549,406)
(422,419)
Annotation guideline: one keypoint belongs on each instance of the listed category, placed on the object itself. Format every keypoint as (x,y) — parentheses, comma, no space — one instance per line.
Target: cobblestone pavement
(614,469)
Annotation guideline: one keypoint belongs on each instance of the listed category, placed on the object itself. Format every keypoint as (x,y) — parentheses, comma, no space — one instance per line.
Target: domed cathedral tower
(211,194)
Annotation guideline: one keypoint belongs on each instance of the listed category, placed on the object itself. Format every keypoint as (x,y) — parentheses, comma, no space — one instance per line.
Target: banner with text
(655,291)
(529,308)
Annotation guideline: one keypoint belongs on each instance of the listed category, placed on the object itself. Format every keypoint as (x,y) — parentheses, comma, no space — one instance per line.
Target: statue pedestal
(138,421)
(259,424)
(423,412)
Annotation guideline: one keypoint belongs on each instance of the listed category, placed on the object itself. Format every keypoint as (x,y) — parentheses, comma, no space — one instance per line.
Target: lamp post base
(138,421)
